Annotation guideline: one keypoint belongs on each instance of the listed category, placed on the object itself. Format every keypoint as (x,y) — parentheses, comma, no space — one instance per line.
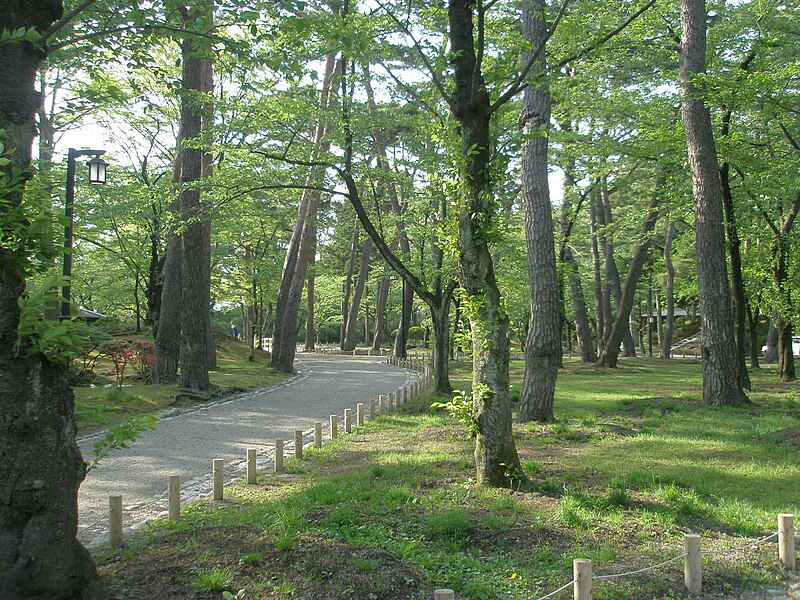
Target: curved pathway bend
(186,444)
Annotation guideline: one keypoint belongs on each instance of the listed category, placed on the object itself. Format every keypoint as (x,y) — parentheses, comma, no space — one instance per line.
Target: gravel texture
(186,442)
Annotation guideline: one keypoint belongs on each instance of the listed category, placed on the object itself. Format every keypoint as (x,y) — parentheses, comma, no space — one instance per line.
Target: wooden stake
(582,574)
(382,404)
(372,409)
(251,465)
(360,413)
(174,497)
(444,594)
(348,420)
(115,521)
(334,426)
(278,456)
(317,435)
(786,549)
(298,444)
(692,575)
(217,472)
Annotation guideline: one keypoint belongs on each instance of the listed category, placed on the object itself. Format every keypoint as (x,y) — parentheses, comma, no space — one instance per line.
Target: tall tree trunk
(40,557)
(495,452)
(543,343)
(311,333)
(348,285)
(206,171)
(401,339)
(613,283)
(597,277)
(194,304)
(571,272)
(381,296)
(771,354)
(669,321)
(737,281)
(351,330)
(609,355)
(295,264)
(752,329)
(721,380)
(155,274)
(168,338)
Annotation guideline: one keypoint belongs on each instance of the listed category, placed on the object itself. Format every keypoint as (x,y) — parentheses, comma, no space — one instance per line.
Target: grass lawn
(103,405)
(634,461)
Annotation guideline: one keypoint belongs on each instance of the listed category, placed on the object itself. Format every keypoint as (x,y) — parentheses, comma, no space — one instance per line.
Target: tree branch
(519,83)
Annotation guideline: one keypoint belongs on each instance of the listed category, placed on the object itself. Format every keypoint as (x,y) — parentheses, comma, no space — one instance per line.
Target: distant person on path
(234,331)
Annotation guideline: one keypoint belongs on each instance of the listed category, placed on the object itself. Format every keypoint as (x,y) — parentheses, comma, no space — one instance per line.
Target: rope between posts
(554,592)
(743,546)
(643,570)
(664,563)
(96,521)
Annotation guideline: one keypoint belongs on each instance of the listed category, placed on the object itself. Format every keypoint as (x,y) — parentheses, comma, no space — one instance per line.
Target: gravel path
(185,444)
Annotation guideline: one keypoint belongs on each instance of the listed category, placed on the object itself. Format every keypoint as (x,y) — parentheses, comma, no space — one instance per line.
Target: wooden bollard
(786,549)
(348,420)
(317,435)
(444,594)
(382,404)
(334,426)
(174,497)
(582,574)
(692,575)
(371,409)
(251,465)
(217,473)
(360,413)
(298,444)
(354,352)
(278,456)
(115,521)
(392,401)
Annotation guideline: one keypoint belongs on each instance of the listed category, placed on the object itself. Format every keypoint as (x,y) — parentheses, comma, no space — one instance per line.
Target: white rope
(743,546)
(554,592)
(637,571)
(96,521)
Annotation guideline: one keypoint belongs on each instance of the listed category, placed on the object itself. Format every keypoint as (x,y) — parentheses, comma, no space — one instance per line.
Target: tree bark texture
(381,296)
(610,354)
(351,329)
(194,304)
(311,333)
(295,266)
(495,452)
(669,320)
(721,381)
(597,277)
(40,557)
(613,283)
(570,270)
(737,281)
(206,172)
(543,343)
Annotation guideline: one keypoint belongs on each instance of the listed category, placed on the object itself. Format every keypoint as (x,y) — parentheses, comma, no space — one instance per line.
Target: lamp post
(97,175)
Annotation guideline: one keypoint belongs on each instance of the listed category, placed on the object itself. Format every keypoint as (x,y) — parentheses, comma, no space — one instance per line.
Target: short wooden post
(582,574)
(692,575)
(371,409)
(392,401)
(278,456)
(444,594)
(348,420)
(115,521)
(354,352)
(174,497)
(360,413)
(334,426)
(217,472)
(317,435)
(382,404)
(298,444)
(251,465)
(786,549)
